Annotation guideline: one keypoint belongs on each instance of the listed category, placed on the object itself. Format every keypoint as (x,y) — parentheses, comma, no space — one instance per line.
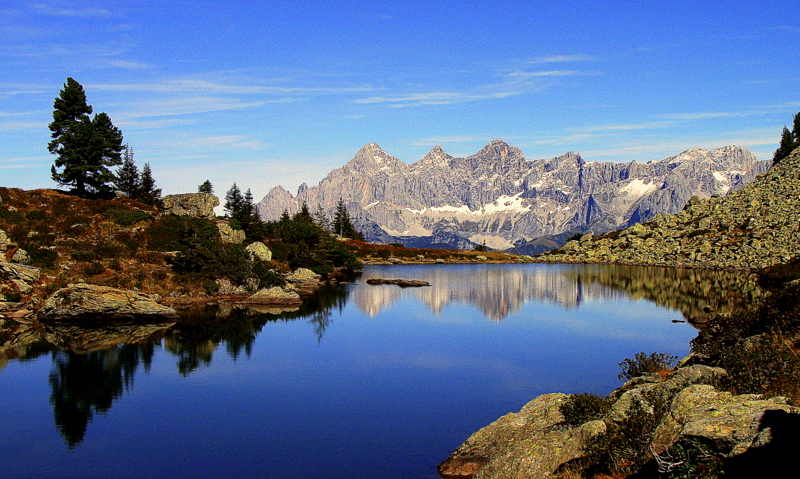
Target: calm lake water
(366,382)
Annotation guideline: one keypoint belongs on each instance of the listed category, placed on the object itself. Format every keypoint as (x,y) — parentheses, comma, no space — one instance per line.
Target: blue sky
(268,93)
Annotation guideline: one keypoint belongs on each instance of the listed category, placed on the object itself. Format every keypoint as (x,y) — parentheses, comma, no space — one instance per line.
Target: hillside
(751,228)
(499,198)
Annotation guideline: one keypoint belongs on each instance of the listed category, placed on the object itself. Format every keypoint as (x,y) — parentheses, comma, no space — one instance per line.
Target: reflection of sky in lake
(386,392)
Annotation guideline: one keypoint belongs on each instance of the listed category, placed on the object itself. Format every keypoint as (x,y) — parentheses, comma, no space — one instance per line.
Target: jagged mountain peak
(372,156)
(498,196)
(436,156)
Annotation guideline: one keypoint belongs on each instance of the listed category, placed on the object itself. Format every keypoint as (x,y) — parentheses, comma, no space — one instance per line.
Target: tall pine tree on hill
(789,141)
(148,193)
(127,181)
(84,147)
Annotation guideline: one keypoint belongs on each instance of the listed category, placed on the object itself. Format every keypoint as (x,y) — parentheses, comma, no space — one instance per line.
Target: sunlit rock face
(499,198)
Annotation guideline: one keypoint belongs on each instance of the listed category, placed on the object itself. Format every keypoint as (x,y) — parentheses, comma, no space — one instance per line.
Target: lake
(363,382)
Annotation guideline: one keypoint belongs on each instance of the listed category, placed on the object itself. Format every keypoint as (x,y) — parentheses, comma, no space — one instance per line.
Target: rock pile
(748,229)
(536,443)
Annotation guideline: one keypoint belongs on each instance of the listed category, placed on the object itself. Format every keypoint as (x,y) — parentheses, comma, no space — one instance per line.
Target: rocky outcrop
(303,281)
(259,251)
(275,296)
(228,234)
(81,301)
(198,205)
(16,281)
(499,198)
(535,442)
(754,227)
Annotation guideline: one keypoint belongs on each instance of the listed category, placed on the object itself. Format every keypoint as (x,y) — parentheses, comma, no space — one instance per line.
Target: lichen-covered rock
(527,444)
(89,301)
(534,443)
(228,234)
(5,241)
(302,275)
(227,288)
(18,255)
(731,423)
(259,250)
(275,296)
(198,205)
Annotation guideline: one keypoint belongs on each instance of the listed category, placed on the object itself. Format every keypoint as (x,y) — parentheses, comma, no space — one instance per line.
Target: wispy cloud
(58,11)
(438,140)
(626,127)
(187,106)
(128,65)
(549,73)
(19,126)
(561,59)
(434,98)
(253,87)
(788,28)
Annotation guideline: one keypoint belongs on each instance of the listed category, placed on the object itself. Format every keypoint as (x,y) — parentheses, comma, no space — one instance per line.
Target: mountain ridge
(498,197)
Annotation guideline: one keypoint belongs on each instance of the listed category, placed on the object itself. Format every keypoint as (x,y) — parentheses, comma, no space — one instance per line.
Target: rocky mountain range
(498,198)
(752,228)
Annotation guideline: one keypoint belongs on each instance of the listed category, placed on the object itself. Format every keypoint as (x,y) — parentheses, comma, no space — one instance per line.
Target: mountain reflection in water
(500,290)
(91,368)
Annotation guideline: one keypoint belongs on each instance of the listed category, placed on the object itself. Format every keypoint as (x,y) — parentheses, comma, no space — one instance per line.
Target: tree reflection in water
(84,383)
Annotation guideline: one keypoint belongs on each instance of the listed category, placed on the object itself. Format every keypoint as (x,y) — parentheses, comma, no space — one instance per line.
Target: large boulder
(92,302)
(733,424)
(228,234)
(16,280)
(5,241)
(199,205)
(526,444)
(259,250)
(275,296)
(303,281)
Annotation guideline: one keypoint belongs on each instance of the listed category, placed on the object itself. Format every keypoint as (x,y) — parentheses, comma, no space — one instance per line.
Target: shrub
(42,257)
(95,268)
(624,447)
(582,408)
(127,217)
(82,255)
(177,233)
(107,250)
(642,364)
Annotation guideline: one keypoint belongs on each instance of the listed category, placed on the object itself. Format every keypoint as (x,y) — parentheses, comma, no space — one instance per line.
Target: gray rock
(20,256)
(275,296)
(730,423)
(259,250)
(230,235)
(87,301)
(198,205)
(5,241)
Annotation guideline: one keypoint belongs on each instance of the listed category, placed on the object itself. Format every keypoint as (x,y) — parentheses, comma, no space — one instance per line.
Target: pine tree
(233,202)
(206,187)
(127,181)
(796,128)
(148,193)
(786,146)
(342,225)
(321,218)
(304,214)
(84,148)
